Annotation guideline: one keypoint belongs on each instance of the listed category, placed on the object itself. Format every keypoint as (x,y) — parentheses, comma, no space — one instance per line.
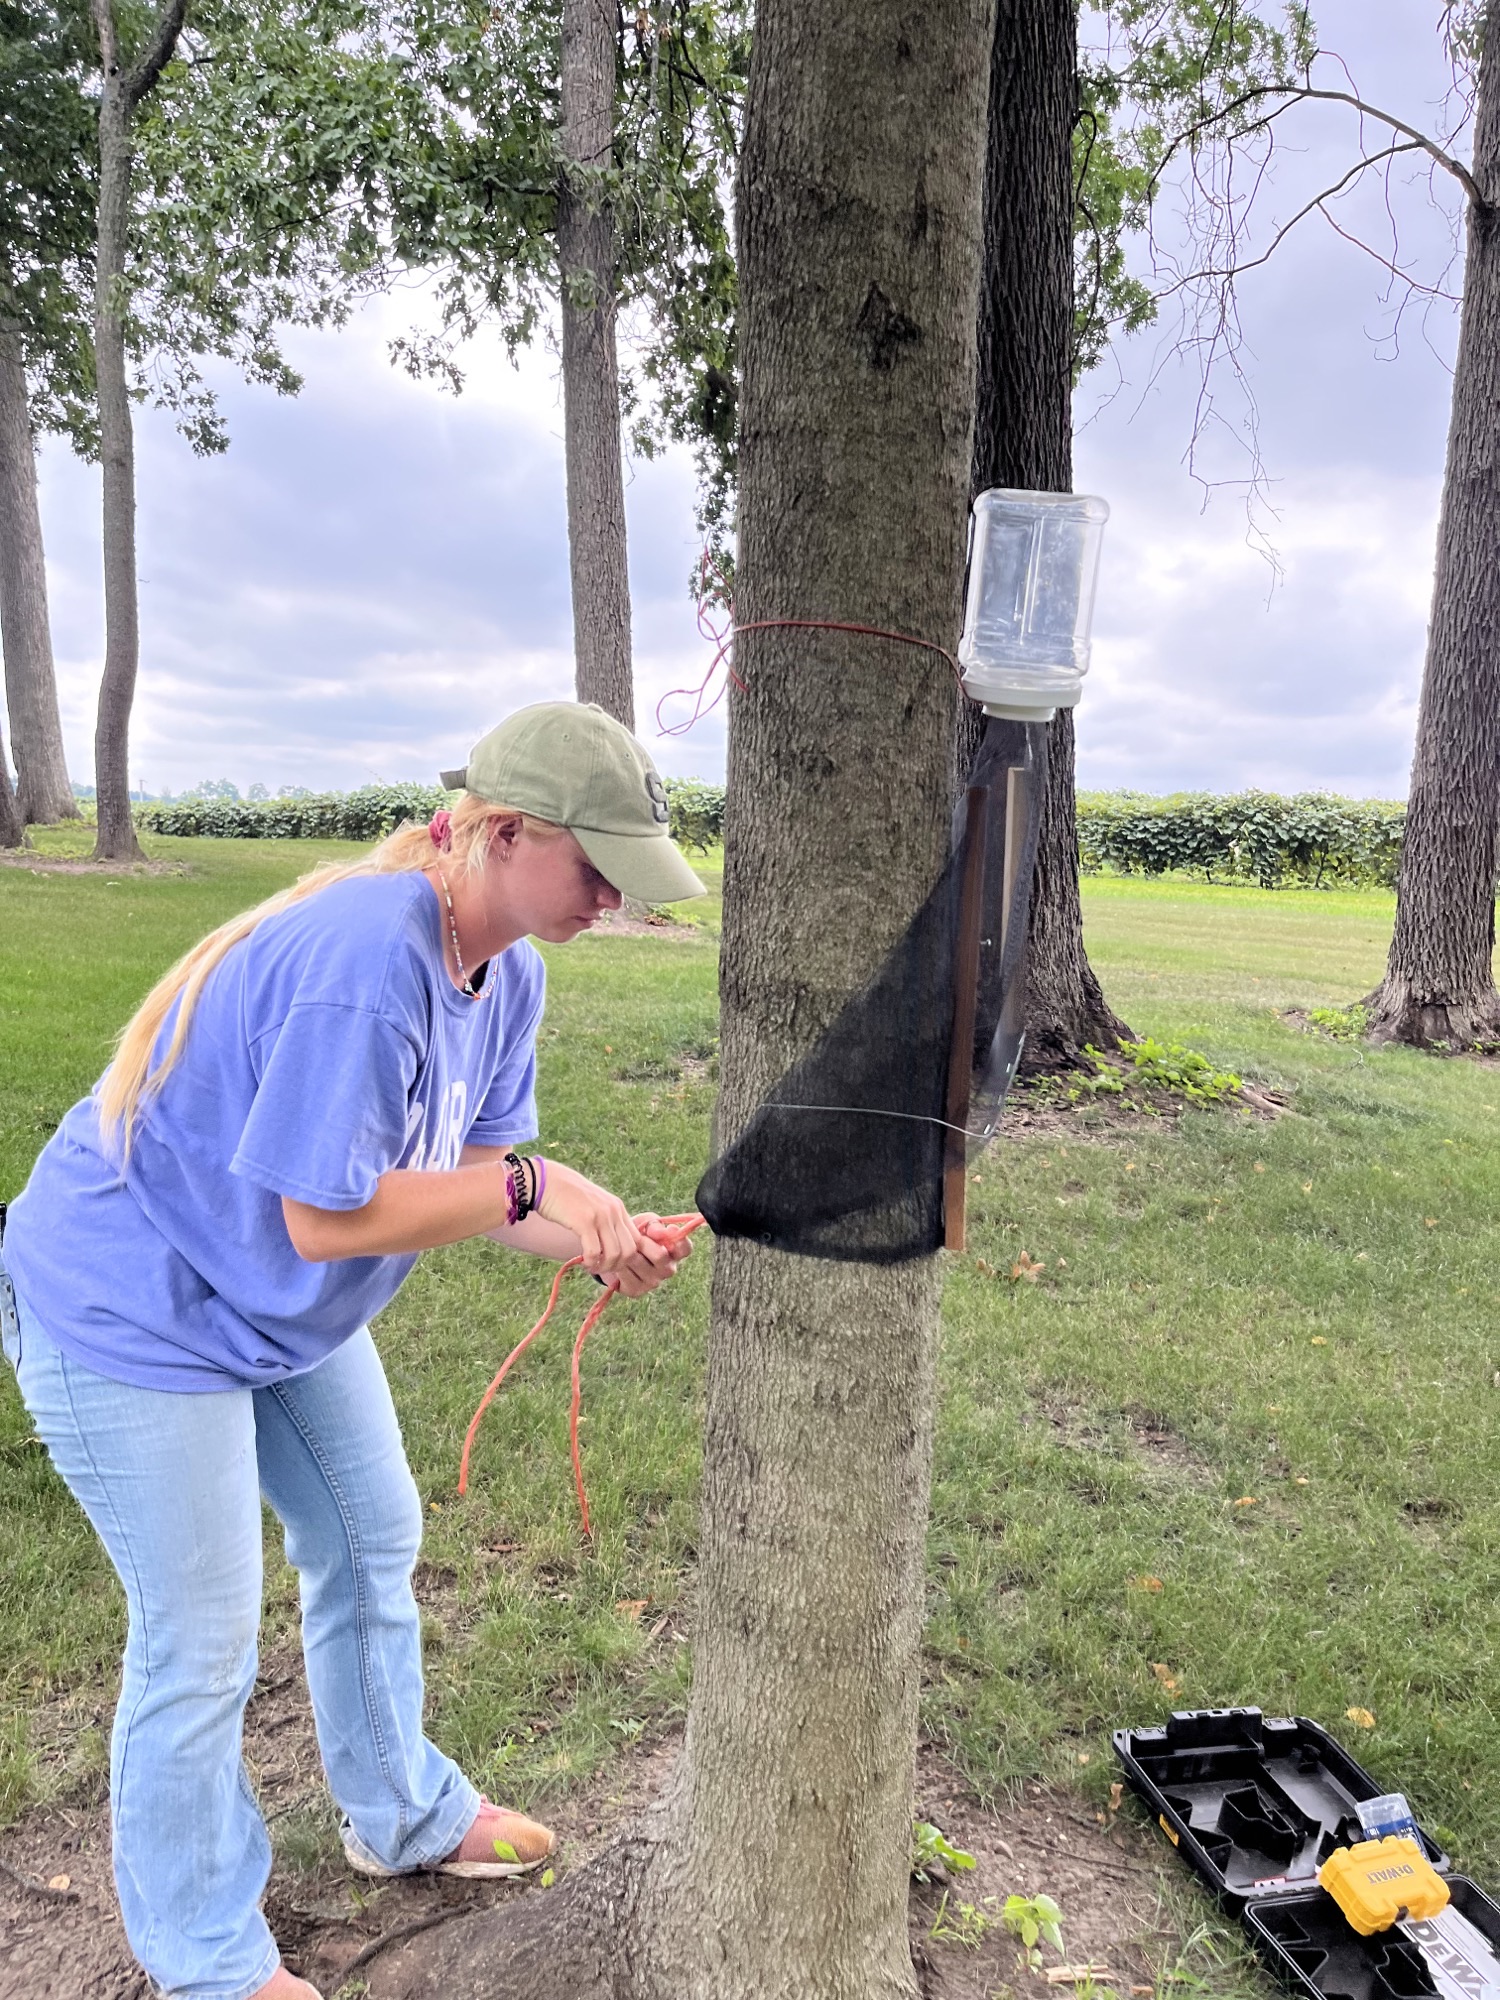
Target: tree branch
(141,77)
(1296,93)
(1235,269)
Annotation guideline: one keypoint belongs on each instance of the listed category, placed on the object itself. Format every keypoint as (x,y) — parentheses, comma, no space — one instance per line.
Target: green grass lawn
(1260,1371)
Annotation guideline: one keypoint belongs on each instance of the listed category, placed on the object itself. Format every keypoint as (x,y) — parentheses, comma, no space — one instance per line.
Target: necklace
(474,993)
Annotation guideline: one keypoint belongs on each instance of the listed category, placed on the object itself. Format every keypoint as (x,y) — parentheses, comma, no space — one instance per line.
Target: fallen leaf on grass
(1247,1500)
(985,1270)
(1026,1267)
(632,1607)
(1165,1675)
(1116,1796)
(1318,1340)
(1260,1166)
(1430,1220)
(1151,1583)
(1084,1756)
(1361,1717)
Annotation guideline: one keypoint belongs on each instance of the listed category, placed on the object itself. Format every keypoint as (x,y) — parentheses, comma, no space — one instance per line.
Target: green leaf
(505,1852)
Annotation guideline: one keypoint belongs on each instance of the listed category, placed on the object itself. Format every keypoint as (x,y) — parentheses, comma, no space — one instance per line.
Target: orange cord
(684,1225)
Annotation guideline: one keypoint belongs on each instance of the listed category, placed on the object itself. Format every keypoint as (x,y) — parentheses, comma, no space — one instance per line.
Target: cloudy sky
(376,571)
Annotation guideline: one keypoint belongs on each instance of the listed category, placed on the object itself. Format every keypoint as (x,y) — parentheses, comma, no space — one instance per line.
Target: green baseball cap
(570,763)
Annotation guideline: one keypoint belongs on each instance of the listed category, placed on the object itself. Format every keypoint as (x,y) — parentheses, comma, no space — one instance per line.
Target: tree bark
(122,90)
(779,1866)
(858,215)
(44,792)
(12,826)
(1023,437)
(1439,982)
(590,367)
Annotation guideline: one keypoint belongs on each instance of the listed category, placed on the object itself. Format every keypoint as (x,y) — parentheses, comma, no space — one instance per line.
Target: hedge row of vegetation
(1311,841)
(375,810)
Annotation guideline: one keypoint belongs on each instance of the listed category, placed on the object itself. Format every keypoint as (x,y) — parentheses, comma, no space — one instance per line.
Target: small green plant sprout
(1344,1024)
(960,1923)
(1034,1920)
(1106,1080)
(1183,1071)
(505,1852)
(933,1855)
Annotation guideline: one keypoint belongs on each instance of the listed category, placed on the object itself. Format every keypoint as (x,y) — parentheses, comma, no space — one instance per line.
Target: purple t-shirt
(327,1047)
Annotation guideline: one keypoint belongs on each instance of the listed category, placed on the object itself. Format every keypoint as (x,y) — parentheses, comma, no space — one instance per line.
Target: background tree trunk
(1439,979)
(1023,436)
(591,369)
(44,790)
(123,89)
(122,640)
(779,1869)
(12,826)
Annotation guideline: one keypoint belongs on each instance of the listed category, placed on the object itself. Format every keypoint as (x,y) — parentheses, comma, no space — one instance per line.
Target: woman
(319,1090)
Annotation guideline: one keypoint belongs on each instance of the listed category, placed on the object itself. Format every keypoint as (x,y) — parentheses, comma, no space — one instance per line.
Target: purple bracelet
(539,1168)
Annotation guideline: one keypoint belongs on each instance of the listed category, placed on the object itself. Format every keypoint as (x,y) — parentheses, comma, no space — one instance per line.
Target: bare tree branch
(1297,93)
(1236,268)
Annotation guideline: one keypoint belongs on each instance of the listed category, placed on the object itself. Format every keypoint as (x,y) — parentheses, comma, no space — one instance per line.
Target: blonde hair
(130,1083)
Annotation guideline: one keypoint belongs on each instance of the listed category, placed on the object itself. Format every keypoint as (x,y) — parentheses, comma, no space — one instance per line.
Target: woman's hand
(636,1253)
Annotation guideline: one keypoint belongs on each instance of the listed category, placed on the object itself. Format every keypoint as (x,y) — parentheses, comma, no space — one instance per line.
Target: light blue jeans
(173,1484)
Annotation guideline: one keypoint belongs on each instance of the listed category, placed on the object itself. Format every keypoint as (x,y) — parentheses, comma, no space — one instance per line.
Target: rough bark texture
(12,826)
(591,371)
(123,89)
(1023,437)
(45,793)
(1439,981)
(778,1869)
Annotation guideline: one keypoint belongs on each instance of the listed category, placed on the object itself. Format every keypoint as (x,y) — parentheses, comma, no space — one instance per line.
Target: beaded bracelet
(512,1204)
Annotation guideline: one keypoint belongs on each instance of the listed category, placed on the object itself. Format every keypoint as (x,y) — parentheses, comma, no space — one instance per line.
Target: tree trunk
(122,642)
(590,367)
(122,90)
(12,826)
(44,790)
(1023,438)
(1439,982)
(779,1867)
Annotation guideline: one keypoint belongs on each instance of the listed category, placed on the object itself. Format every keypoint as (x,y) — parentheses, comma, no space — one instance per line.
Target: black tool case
(1255,1804)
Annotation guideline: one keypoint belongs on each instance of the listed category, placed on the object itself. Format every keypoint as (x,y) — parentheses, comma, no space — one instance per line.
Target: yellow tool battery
(1379,1882)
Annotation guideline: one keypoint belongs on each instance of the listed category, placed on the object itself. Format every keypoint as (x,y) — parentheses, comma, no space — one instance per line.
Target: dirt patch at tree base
(1040,1108)
(46,864)
(1102,1868)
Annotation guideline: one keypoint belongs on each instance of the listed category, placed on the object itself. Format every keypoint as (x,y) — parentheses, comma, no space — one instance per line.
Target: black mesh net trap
(859,1150)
